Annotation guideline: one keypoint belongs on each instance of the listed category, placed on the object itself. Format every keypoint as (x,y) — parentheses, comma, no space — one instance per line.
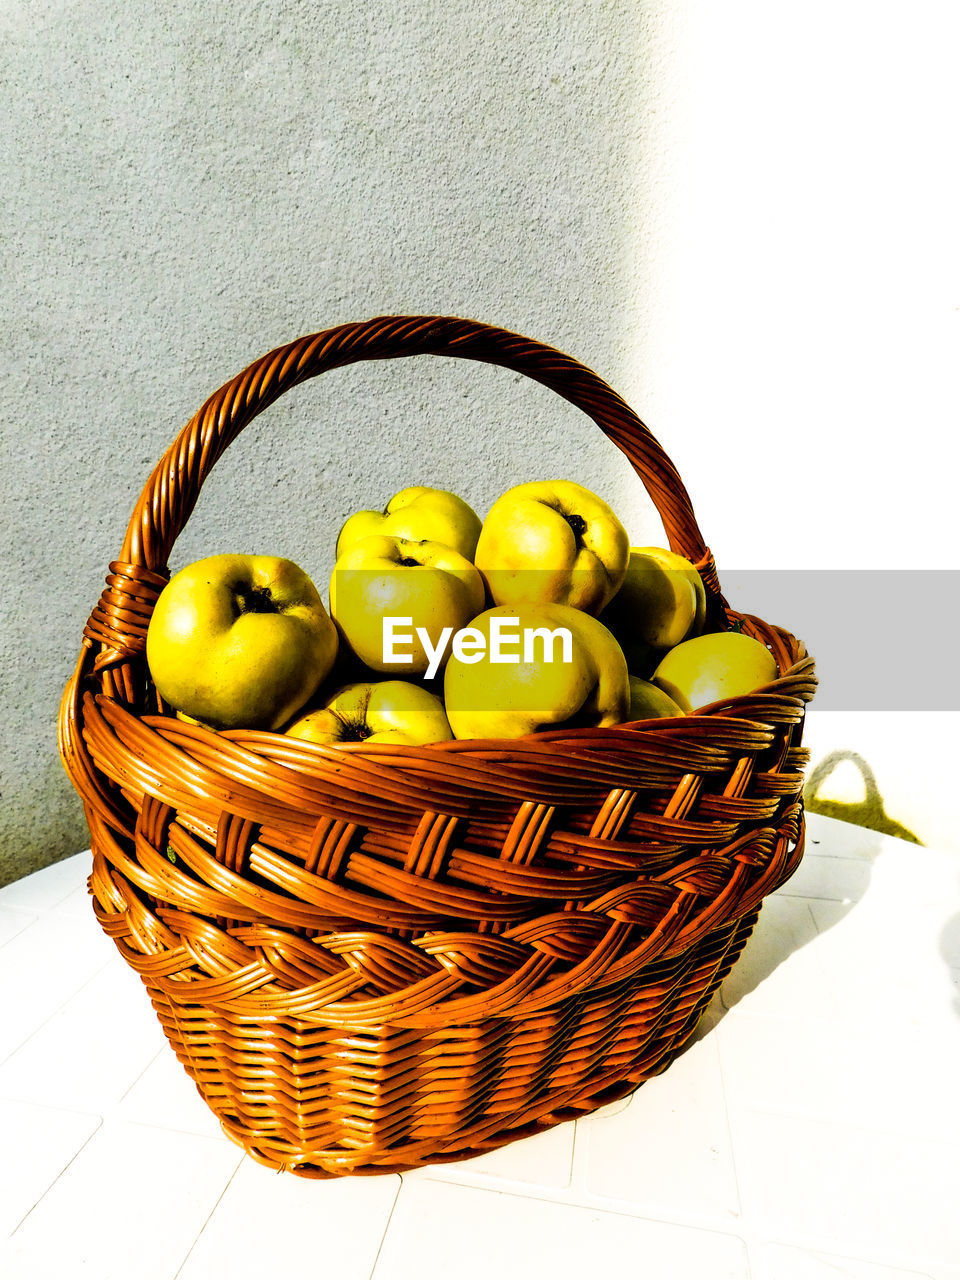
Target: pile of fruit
(540,617)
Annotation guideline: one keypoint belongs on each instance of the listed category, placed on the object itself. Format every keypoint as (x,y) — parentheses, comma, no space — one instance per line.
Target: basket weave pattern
(373,957)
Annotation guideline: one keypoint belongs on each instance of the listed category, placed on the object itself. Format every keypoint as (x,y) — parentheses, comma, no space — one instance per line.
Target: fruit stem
(256,600)
(579,527)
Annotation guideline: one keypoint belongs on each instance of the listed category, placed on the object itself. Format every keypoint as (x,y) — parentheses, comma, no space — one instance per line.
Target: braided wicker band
(369,957)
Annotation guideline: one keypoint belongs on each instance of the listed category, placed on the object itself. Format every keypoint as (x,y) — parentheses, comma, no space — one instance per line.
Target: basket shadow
(787,921)
(870,812)
(826,888)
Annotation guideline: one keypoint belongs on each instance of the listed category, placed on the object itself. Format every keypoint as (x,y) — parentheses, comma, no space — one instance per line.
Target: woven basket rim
(115,633)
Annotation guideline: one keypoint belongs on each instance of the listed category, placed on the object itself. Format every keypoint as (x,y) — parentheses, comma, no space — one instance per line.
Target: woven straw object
(370,958)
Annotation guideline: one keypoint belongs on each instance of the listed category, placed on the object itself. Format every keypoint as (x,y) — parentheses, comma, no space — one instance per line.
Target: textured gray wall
(187,185)
(743,218)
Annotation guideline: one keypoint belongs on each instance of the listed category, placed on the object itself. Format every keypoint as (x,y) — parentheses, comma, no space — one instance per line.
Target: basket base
(399,1162)
(496,1084)
(394,1162)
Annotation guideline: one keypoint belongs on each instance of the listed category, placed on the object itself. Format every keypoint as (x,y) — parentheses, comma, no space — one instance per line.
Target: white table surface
(811,1132)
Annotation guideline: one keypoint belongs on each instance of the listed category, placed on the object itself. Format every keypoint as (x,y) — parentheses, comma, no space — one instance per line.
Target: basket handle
(172,490)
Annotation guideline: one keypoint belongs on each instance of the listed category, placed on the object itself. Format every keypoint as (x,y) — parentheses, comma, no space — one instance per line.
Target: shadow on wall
(868,812)
(950,951)
(43,823)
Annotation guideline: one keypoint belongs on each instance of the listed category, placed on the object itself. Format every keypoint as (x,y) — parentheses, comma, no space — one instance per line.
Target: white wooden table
(811,1132)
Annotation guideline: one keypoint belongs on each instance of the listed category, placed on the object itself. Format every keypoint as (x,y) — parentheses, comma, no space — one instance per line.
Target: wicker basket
(373,958)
